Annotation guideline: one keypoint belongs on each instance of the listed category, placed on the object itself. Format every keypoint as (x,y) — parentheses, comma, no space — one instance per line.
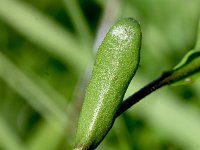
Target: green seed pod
(115,65)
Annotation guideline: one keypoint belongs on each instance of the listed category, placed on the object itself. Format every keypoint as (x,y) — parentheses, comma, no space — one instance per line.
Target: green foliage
(43,55)
(189,68)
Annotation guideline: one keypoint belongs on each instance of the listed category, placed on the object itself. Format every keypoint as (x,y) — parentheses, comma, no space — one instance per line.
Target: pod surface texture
(116,62)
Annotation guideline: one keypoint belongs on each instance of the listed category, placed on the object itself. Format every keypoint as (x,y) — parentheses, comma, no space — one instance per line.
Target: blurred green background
(46,52)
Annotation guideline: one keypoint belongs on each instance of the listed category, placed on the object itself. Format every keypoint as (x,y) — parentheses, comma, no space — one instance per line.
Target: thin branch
(148,89)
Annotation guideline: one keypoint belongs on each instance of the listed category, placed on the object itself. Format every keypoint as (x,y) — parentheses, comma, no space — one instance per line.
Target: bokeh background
(46,52)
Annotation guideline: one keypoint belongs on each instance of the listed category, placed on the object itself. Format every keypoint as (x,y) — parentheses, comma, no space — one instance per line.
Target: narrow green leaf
(198,36)
(8,138)
(188,70)
(44,32)
(35,95)
(79,20)
(45,137)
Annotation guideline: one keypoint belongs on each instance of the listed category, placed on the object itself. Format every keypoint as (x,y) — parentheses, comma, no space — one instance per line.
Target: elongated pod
(116,63)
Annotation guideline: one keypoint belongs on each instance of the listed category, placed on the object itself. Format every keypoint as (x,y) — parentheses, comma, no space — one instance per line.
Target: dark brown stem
(149,88)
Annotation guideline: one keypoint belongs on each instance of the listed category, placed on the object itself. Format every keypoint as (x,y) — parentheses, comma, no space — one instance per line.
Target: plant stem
(143,92)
